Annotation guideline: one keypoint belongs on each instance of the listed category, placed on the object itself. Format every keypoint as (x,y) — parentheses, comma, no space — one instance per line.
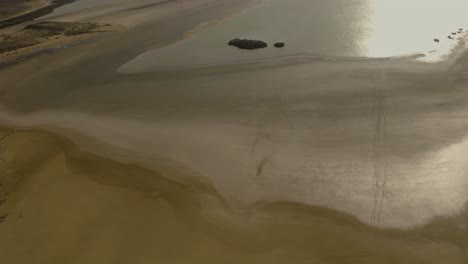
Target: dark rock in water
(2,218)
(450,37)
(453,33)
(248,44)
(436,40)
(279,44)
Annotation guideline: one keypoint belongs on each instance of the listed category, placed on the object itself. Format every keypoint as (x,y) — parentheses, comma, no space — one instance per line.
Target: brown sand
(62,205)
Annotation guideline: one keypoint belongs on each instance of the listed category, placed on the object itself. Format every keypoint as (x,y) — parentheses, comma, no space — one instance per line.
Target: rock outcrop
(279,44)
(248,44)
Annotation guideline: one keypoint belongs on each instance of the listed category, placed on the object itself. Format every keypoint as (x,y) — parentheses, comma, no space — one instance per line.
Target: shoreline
(279,60)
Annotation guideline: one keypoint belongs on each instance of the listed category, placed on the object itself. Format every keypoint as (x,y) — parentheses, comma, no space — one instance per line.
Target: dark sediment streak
(150,5)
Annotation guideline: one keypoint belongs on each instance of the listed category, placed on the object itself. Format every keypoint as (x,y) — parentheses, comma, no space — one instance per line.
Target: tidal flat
(272,159)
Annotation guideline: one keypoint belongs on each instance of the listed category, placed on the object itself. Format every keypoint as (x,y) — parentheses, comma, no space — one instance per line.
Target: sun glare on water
(413,27)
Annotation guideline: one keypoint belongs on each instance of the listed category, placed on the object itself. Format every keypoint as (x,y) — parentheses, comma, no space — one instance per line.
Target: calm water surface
(80,5)
(337,28)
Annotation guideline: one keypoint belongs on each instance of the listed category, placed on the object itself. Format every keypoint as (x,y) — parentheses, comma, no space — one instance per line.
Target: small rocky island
(248,44)
(279,44)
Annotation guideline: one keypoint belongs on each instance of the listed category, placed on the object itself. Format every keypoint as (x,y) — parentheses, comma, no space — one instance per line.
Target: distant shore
(16,45)
(29,38)
(13,8)
(33,12)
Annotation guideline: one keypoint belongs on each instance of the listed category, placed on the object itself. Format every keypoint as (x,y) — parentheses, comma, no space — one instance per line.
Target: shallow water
(80,5)
(338,28)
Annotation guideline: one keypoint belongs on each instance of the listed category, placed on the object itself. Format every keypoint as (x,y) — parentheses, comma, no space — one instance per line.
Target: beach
(301,158)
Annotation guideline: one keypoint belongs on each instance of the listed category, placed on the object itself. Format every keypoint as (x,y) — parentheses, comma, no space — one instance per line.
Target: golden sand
(62,205)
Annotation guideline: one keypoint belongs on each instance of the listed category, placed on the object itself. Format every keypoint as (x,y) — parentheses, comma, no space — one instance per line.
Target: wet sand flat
(64,205)
(354,144)
(364,137)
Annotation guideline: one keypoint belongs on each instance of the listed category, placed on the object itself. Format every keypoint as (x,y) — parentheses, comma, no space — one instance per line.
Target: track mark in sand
(261,166)
(3,192)
(262,153)
(2,139)
(2,144)
(378,149)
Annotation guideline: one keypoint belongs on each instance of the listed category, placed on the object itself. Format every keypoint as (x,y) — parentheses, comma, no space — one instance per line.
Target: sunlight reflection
(320,28)
(407,27)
